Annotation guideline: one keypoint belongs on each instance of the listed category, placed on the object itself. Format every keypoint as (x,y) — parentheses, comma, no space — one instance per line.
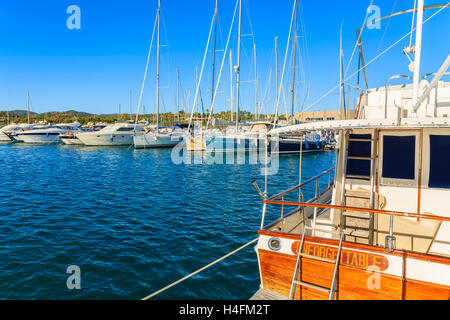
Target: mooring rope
(199,270)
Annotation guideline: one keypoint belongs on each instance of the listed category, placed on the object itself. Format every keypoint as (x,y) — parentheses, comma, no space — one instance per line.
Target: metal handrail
(368,210)
(283,193)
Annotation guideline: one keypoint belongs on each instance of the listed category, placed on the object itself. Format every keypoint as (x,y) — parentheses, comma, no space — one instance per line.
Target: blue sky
(94,69)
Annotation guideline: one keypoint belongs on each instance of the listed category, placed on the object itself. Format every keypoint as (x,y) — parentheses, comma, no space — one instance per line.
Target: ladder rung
(354,214)
(360,140)
(312,286)
(356,233)
(354,176)
(304,255)
(359,158)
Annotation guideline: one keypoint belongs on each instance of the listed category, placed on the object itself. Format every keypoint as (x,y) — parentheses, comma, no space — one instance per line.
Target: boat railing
(361,209)
(318,191)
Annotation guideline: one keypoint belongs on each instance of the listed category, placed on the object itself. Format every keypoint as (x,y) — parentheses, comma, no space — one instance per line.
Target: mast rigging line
(221,66)
(379,55)
(357,40)
(145,73)
(425,8)
(284,64)
(199,270)
(201,71)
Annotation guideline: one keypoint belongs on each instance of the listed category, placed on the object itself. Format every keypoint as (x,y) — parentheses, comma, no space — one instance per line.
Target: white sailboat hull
(155,140)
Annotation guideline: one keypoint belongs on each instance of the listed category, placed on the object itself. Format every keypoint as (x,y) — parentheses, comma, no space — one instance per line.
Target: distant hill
(70,113)
(20,113)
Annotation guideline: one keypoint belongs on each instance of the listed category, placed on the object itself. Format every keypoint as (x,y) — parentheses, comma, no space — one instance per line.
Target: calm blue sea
(132,220)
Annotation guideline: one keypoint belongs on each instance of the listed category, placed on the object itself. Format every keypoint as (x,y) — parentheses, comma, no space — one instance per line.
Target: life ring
(69,133)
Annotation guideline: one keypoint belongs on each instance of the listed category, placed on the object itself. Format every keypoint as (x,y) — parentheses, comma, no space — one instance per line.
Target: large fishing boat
(381,228)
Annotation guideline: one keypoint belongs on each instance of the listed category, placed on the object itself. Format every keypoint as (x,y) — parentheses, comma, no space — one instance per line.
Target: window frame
(427,155)
(382,181)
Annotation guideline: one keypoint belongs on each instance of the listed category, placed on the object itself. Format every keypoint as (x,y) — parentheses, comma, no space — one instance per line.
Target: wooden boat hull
(365,272)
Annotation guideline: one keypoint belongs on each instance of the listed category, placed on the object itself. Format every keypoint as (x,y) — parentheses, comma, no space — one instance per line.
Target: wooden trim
(359,105)
(368,210)
(419,187)
(359,246)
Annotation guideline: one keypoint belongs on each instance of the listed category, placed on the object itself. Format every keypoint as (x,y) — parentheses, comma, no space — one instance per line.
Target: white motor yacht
(11,130)
(118,134)
(47,135)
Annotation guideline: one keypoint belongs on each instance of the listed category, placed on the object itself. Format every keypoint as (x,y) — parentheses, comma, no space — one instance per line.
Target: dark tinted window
(399,157)
(125,129)
(439,161)
(359,167)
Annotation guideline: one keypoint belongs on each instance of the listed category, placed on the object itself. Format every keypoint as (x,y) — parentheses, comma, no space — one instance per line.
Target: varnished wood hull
(355,281)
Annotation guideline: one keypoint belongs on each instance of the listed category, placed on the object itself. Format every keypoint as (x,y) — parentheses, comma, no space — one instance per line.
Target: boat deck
(262,294)
(293,223)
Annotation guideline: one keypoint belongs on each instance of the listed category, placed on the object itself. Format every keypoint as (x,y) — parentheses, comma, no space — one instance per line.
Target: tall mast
(131,105)
(418,51)
(276,66)
(231,87)
(256,83)
(28,107)
(119,111)
(294,47)
(157,67)
(178,93)
(341,84)
(238,76)
(214,54)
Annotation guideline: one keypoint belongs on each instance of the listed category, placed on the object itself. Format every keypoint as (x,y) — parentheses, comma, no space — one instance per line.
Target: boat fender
(111,139)
(306,144)
(46,134)
(317,144)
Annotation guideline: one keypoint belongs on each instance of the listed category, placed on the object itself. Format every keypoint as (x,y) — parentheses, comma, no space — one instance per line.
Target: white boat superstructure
(12,130)
(47,135)
(118,134)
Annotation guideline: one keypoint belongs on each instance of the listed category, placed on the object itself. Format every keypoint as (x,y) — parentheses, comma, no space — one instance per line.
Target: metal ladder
(354,231)
(295,280)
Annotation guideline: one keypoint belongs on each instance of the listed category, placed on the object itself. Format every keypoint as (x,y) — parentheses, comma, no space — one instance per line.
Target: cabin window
(125,129)
(439,160)
(358,157)
(399,157)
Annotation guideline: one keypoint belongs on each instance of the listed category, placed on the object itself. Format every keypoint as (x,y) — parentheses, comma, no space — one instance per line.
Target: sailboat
(381,228)
(287,144)
(234,138)
(157,137)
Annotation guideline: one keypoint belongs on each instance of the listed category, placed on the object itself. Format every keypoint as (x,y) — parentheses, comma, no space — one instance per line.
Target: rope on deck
(199,270)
